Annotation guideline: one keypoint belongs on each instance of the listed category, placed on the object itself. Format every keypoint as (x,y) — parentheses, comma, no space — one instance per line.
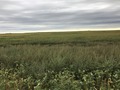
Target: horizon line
(61,30)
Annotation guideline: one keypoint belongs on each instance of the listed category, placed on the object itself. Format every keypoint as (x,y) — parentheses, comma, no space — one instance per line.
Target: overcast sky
(40,15)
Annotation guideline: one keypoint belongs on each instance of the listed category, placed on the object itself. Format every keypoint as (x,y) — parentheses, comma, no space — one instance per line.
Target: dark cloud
(58,14)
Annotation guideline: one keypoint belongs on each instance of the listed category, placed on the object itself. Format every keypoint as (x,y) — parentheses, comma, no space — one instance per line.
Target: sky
(56,15)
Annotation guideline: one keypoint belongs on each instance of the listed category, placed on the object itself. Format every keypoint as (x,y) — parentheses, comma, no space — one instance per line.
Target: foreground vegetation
(60,61)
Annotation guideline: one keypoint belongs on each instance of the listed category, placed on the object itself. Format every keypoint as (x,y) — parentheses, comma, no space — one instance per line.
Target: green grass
(60,61)
(60,38)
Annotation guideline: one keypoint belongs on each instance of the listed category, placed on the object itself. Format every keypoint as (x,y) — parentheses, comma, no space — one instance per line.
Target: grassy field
(60,61)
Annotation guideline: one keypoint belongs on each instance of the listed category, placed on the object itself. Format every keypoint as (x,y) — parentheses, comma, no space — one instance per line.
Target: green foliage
(60,61)
(62,80)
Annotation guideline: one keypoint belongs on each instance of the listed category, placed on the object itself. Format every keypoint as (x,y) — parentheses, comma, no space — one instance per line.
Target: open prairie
(87,60)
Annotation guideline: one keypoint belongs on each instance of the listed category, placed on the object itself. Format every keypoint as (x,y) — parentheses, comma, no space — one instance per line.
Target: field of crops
(60,61)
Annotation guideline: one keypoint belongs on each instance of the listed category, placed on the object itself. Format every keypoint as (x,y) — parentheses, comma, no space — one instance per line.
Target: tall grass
(60,61)
(58,57)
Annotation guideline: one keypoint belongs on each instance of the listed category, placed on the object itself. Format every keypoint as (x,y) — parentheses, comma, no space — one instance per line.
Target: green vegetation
(60,61)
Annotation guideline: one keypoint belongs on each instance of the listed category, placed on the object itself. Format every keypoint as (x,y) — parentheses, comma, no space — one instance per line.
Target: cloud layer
(36,15)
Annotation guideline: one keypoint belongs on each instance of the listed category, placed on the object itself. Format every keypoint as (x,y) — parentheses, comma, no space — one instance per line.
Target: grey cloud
(59,14)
